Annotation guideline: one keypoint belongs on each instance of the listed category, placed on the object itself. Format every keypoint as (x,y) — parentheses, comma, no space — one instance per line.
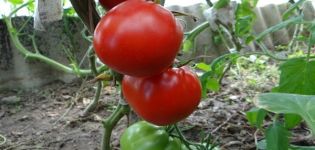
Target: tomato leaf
(245,17)
(291,10)
(291,120)
(221,4)
(213,84)
(203,66)
(16,2)
(302,105)
(277,137)
(31,7)
(297,76)
(188,45)
(69,11)
(217,69)
(204,80)
(256,116)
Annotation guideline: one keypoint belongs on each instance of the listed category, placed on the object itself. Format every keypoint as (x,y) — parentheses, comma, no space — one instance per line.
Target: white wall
(189,2)
(5,7)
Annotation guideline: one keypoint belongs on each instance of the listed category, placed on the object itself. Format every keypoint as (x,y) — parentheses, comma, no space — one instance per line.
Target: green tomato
(145,136)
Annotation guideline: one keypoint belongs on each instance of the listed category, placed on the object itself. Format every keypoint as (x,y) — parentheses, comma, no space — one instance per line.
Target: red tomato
(109,4)
(165,98)
(138,38)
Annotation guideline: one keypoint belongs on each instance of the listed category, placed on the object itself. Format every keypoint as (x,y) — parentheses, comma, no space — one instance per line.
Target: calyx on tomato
(145,136)
(165,98)
(138,38)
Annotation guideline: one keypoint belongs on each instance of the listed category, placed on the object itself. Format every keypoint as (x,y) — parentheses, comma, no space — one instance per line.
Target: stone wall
(16,72)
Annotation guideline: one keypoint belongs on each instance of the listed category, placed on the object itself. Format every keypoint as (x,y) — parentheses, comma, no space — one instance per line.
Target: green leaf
(16,2)
(279,26)
(203,66)
(243,25)
(256,116)
(216,71)
(249,39)
(213,84)
(277,137)
(69,11)
(221,4)
(245,17)
(302,105)
(251,3)
(291,120)
(297,76)
(188,45)
(203,81)
(31,7)
(291,10)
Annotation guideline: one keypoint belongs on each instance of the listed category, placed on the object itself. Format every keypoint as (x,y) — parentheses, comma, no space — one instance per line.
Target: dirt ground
(49,118)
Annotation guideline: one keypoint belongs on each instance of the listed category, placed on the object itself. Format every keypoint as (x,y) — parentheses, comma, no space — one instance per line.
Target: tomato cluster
(140,39)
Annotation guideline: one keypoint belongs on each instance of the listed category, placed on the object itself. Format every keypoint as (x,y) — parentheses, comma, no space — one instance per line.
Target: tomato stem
(110,122)
(30,55)
(93,104)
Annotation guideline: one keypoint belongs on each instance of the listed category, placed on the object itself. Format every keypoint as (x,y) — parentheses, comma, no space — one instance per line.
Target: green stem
(223,39)
(93,104)
(185,141)
(309,46)
(232,36)
(191,35)
(34,44)
(268,53)
(111,122)
(29,55)
(182,137)
(20,7)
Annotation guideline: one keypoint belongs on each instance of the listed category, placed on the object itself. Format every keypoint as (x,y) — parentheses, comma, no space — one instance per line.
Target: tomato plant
(165,98)
(138,38)
(109,4)
(145,136)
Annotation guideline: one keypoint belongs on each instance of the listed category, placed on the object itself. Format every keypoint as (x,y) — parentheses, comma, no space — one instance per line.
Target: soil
(49,118)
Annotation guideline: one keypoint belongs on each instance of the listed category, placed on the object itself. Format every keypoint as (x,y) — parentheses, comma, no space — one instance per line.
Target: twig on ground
(73,102)
(221,125)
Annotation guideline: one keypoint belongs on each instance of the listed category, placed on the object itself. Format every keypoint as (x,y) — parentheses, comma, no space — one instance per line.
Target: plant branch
(20,7)
(93,104)
(29,55)
(110,122)
(309,47)
(268,53)
(186,142)
(191,35)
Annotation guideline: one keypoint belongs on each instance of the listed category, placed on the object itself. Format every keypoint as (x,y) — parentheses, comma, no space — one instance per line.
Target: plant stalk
(29,55)
(110,122)
(93,104)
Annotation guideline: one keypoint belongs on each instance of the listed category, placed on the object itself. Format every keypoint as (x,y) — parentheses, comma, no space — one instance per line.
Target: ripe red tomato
(138,38)
(165,98)
(109,4)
